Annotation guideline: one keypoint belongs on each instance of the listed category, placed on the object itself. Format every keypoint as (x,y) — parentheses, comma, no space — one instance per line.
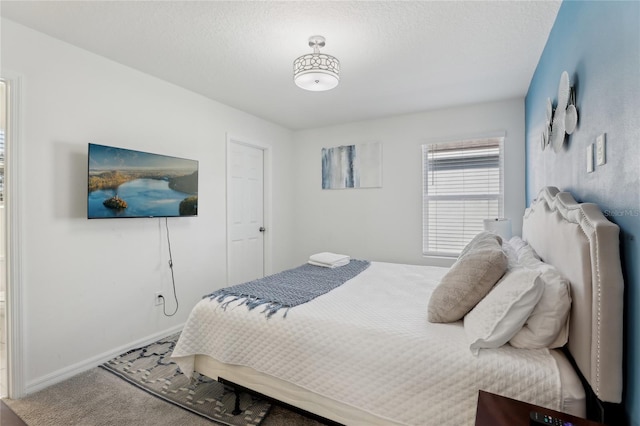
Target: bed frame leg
(237,409)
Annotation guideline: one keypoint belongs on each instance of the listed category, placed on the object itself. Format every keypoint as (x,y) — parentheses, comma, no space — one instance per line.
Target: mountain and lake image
(127,183)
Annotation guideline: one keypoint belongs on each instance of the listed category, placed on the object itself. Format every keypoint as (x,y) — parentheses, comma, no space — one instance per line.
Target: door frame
(266,201)
(13,205)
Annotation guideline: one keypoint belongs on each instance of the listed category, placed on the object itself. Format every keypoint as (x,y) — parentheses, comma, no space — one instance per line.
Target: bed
(365,353)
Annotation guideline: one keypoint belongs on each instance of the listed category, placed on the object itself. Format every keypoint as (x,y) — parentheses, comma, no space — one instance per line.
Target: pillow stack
(503,312)
(548,324)
(504,293)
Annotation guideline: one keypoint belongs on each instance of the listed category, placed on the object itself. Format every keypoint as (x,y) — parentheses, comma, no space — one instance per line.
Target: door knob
(262,229)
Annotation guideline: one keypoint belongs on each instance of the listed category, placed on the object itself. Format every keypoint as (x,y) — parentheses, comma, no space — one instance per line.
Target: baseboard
(80,367)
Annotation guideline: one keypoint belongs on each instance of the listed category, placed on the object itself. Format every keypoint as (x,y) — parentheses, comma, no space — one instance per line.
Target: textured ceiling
(395,57)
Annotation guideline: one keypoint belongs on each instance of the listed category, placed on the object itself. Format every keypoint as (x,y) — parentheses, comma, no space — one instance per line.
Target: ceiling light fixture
(316,71)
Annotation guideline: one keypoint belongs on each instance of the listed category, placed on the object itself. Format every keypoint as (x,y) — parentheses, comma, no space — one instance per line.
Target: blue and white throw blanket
(289,288)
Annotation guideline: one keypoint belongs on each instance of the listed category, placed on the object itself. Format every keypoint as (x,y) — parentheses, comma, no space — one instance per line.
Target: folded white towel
(330,265)
(329,260)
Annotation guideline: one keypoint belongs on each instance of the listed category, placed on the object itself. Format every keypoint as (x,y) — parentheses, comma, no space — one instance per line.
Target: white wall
(88,285)
(385,224)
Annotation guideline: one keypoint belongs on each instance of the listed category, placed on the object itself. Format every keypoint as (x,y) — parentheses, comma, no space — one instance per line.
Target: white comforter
(368,344)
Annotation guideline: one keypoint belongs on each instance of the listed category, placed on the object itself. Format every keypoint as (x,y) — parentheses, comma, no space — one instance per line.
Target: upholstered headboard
(584,246)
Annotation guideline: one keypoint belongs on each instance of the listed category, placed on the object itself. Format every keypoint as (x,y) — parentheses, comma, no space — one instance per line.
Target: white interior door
(245,213)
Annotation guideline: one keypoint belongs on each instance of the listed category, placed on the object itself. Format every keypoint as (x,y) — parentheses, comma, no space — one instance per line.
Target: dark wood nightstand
(496,410)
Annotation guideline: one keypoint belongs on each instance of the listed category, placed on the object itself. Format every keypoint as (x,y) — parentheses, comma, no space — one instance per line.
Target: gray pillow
(468,281)
(483,239)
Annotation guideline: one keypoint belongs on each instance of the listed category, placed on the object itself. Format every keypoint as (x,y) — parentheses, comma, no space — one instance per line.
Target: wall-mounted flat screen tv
(126,183)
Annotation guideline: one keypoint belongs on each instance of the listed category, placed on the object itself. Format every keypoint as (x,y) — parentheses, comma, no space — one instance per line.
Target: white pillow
(517,242)
(528,257)
(499,316)
(510,251)
(548,324)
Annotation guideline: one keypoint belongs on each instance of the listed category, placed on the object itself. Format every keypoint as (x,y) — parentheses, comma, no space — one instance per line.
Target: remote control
(545,419)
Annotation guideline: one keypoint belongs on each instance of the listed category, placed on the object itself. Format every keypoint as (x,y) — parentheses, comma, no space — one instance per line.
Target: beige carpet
(99,398)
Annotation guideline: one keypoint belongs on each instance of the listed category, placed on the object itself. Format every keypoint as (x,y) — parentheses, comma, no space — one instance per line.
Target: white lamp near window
(500,226)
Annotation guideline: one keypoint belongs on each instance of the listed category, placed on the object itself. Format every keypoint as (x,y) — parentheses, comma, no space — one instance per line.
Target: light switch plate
(600,149)
(590,158)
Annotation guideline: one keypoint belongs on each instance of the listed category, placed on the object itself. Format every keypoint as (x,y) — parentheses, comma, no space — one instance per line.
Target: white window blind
(462,185)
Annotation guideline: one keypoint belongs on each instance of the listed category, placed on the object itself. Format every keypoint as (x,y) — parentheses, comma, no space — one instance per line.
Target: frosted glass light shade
(316,81)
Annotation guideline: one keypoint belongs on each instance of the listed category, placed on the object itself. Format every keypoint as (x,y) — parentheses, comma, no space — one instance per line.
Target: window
(462,185)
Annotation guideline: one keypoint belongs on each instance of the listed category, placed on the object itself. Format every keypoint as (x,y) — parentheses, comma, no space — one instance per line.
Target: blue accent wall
(598,44)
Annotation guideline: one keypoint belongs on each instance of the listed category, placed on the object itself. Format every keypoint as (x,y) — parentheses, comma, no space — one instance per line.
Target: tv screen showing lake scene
(126,183)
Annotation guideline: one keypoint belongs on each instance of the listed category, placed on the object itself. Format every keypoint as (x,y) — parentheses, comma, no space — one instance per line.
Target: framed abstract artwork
(352,166)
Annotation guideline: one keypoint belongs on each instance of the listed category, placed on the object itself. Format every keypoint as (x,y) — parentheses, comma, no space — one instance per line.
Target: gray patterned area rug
(150,369)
